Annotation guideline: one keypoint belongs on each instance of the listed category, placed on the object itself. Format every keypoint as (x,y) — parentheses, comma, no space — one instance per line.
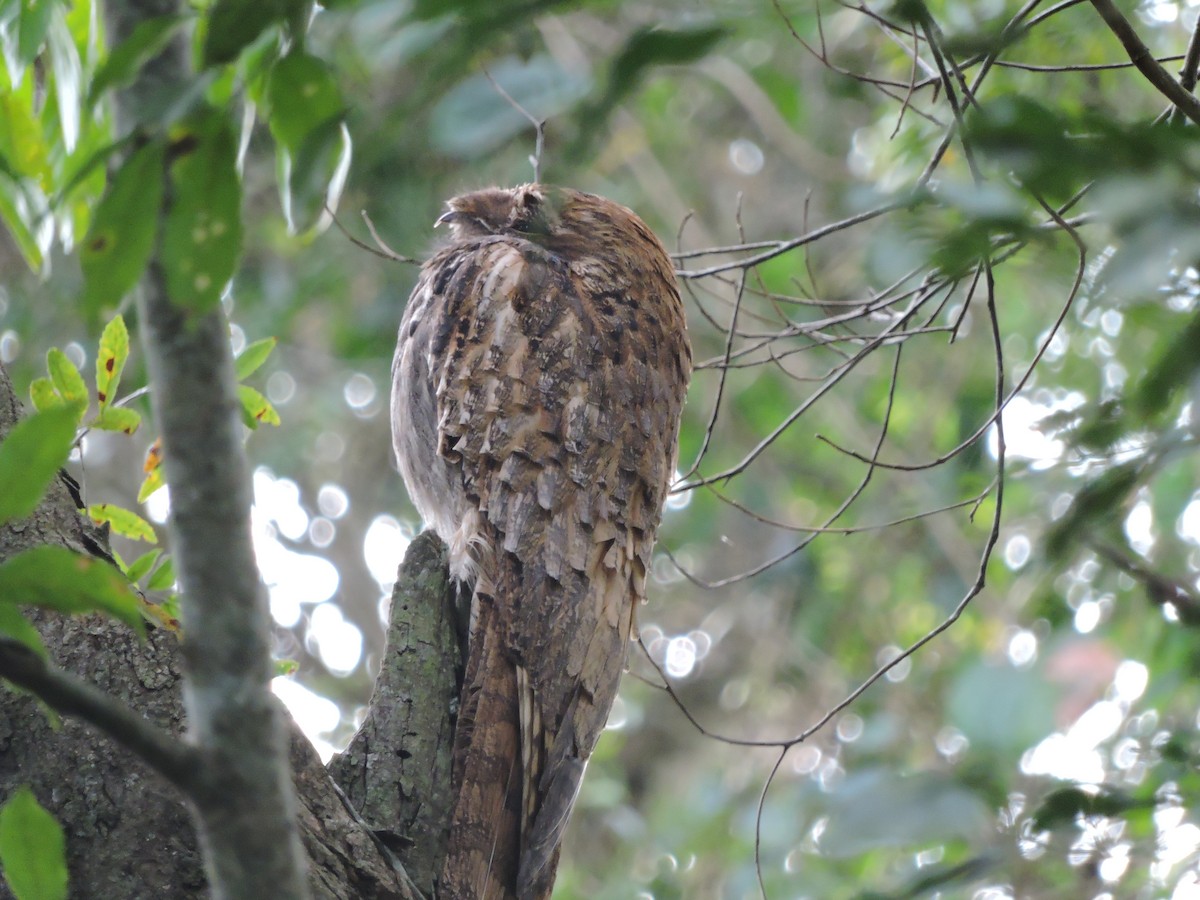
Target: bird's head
(560,220)
(530,211)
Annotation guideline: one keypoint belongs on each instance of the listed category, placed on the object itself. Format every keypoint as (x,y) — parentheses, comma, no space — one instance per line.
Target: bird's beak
(446,218)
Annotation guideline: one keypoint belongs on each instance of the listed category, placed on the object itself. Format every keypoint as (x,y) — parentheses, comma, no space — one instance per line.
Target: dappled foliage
(891,220)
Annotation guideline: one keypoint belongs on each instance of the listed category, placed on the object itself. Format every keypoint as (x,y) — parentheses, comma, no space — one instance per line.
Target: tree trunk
(130,834)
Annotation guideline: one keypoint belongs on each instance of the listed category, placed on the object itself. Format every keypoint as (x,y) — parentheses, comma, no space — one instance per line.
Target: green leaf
(253,356)
(66,379)
(17,226)
(234,24)
(118,418)
(43,395)
(22,138)
(147,40)
(56,578)
(1173,369)
(140,567)
(64,389)
(31,456)
(646,48)
(87,167)
(660,46)
(16,626)
(305,110)
(1061,807)
(31,28)
(301,96)
(256,408)
(203,234)
(68,75)
(121,239)
(33,850)
(255,66)
(123,522)
(169,606)
(110,360)
(1096,504)
(285,667)
(312,178)
(163,578)
(153,481)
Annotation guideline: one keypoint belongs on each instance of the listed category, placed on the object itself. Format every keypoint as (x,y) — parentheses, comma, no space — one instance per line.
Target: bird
(541,368)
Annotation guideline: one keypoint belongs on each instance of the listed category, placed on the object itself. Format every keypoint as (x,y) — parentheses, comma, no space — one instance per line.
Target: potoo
(536,393)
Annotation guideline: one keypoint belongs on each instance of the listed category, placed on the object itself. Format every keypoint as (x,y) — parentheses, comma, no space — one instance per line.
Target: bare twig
(1191,66)
(388,252)
(1191,62)
(539,126)
(1159,589)
(1140,55)
(380,249)
(720,392)
(780,247)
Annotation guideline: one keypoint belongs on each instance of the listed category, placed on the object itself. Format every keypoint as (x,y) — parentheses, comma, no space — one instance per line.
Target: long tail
(485,833)
(524,735)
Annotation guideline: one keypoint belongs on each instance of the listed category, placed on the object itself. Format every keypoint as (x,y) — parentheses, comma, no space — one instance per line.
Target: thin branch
(973,591)
(758,818)
(912,85)
(850,529)
(989,546)
(1140,55)
(1054,10)
(1159,589)
(994,418)
(1078,67)
(176,761)
(1191,66)
(720,392)
(761,446)
(380,249)
(1191,62)
(538,124)
(667,688)
(389,253)
(783,246)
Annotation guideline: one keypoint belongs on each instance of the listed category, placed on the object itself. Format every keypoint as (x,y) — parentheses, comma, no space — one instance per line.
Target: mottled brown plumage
(537,387)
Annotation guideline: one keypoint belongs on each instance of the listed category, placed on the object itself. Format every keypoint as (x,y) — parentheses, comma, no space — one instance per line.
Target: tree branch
(1140,56)
(63,692)
(1191,62)
(244,797)
(242,791)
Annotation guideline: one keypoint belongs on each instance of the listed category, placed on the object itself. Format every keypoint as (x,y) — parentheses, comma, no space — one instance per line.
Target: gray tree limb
(241,792)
